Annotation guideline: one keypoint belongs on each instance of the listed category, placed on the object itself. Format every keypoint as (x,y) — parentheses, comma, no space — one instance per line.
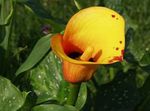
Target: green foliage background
(30,74)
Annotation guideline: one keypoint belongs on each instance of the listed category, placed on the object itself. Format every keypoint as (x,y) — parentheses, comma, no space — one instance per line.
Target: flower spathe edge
(56,44)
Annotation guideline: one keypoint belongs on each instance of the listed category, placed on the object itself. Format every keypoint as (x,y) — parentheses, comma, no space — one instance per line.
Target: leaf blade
(35,56)
(82,96)
(53,107)
(11,99)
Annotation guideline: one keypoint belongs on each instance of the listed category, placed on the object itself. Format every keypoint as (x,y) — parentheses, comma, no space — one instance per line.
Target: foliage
(30,74)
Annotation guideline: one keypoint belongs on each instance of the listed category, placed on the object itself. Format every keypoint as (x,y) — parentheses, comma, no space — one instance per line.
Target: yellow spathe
(94,35)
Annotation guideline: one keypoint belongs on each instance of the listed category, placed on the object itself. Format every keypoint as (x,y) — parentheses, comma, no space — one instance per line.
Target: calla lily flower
(93,36)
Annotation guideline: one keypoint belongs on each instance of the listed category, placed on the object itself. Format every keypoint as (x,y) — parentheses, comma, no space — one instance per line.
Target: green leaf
(129,34)
(63,92)
(5,35)
(80,4)
(141,77)
(119,95)
(145,104)
(38,9)
(138,47)
(29,103)
(105,74)
(145,93)
(53,107)
(11,99)
(145,90)
(2,33)
(46,78)
(48,83)
(20,1)
(82,96)
(38,52)
(145,61)
(6,11)
(114,4)
(136,50)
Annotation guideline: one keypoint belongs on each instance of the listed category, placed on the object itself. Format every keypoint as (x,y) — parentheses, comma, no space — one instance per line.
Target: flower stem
(73,93)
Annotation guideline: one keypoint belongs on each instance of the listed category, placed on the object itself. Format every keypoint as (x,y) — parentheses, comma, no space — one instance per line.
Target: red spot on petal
(122,52)
(110,61)
(113,16)
(116,58)
(119,58)
(120,42)
(117,48)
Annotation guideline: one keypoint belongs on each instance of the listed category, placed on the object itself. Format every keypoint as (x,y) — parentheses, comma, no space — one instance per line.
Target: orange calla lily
(93,36)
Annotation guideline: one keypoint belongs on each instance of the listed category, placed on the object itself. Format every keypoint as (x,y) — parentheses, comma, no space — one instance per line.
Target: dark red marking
(117,58)
(122,52)
(117,48)
(120,42)
(113,16)
(70,48)
(110,61)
